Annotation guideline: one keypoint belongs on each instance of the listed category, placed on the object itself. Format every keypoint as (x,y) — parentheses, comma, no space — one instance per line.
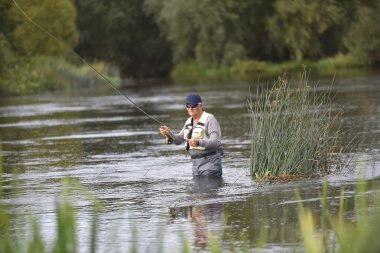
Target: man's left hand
(193,142)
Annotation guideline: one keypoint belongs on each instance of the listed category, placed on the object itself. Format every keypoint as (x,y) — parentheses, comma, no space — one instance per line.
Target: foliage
(363,39)
(248,68)
(6,26)
(293,130)
(6,54)
(340,61)
(193,71)
(338,234)
(204,30)
(56,16)
(23,67)
(297,25)
(66,240)
(120,32)
(335,232)
(154,38)
(11,240)
(28,75)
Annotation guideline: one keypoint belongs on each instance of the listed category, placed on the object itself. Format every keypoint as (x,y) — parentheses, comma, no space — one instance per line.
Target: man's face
(194,110)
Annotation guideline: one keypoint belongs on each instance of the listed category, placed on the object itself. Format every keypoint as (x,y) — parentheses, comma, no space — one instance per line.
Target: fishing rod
(113,86)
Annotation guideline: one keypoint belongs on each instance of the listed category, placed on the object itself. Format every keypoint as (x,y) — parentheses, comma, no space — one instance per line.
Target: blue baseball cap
(193,99)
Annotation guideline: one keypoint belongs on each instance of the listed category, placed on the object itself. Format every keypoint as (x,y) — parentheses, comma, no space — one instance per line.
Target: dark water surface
(101,140)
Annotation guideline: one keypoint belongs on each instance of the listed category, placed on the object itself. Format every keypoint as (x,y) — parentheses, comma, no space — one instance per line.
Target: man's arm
(214,140)
(177,138)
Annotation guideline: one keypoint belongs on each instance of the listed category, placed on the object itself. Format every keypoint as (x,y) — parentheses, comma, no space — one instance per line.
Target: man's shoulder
(211,119)
(210,115)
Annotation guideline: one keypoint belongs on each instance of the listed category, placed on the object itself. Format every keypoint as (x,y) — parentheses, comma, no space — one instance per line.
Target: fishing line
(159,123)
(156,121)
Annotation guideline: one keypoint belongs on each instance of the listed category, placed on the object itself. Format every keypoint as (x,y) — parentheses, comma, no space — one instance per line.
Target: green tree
(332,39)
(121,32)
(6,26)
(5,21)
(6,54)
(205,30)
(253,16)
(363,38)
(297,25)
(55,16)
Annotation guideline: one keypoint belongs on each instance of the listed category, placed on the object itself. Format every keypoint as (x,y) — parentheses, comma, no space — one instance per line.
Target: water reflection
(266,217)
(202,216)
(262,219)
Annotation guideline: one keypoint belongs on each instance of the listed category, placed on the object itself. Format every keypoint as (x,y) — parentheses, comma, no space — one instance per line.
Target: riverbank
(191,71)
(32,75)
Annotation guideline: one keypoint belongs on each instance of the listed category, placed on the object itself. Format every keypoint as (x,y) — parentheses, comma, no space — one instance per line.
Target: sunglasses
(191,106)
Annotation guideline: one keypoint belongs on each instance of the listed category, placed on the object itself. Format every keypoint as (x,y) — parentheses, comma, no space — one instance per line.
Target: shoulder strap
(189,134)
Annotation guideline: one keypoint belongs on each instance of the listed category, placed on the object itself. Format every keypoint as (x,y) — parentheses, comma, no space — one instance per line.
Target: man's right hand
(164,130)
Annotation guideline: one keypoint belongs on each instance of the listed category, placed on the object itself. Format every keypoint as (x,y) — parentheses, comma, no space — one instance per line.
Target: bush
(363,37)
(29,75)
(247,68)
(293,131)
(340,61)
(6,54)
(195,71)
(24,77)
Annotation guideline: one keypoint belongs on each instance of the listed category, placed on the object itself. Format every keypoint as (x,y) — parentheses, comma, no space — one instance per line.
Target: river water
(99,139)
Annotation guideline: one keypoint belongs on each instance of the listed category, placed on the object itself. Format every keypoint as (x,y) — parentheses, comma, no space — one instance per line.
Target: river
(99,139)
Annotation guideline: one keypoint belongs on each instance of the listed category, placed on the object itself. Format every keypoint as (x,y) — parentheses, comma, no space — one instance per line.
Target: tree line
(147,38)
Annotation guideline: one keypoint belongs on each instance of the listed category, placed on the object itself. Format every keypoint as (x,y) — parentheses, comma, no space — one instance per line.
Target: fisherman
(202,136)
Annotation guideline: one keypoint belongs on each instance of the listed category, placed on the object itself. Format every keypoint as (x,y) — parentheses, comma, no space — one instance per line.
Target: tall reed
(66,239)
(335,234)
(338,234)
(293,130)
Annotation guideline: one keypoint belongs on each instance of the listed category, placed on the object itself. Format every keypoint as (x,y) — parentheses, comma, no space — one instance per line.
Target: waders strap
(189,136)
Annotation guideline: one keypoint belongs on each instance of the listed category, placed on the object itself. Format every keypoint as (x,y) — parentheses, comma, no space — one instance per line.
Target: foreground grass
(337,234)
(294,131)
(325,233)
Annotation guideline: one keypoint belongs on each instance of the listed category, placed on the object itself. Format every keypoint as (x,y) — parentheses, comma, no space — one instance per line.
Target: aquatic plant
(294,130)
(12,240)
(337,233)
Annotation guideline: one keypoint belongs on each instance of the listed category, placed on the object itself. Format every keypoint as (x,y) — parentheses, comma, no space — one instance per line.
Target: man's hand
(193,142)
(164,130)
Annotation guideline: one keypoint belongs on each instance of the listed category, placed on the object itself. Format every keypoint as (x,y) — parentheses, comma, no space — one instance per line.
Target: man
(202,135)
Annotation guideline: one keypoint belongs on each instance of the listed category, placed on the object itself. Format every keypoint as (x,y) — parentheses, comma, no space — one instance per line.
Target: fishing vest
(197,132)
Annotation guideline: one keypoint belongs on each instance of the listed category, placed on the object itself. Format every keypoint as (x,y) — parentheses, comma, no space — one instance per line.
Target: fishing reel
(168,140)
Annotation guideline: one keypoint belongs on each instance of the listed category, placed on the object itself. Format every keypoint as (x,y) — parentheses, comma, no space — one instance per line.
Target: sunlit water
(115,151)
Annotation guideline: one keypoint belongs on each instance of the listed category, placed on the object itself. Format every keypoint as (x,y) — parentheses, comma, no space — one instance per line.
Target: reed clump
(294,130)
